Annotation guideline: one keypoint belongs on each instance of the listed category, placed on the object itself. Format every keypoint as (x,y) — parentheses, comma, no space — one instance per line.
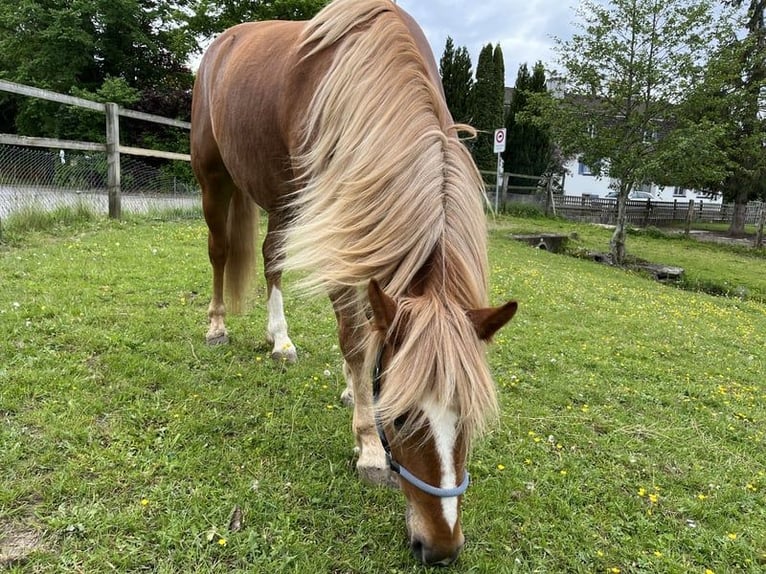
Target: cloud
(523,28)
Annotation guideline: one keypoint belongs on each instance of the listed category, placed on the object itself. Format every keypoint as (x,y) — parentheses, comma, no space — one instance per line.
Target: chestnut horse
(337,127)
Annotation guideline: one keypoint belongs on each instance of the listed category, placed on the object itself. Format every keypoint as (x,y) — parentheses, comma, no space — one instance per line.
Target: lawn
(631,437)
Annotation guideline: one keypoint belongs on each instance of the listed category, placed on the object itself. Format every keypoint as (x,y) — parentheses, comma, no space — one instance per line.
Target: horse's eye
(400,421)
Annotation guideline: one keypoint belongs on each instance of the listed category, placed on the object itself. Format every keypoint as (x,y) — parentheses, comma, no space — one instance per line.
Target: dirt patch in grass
(17,542)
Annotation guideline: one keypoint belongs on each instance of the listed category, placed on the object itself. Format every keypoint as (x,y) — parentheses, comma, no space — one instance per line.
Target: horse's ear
(383,306)
(488,321)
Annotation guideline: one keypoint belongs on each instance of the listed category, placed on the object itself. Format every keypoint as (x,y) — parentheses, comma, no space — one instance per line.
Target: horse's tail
(241,237)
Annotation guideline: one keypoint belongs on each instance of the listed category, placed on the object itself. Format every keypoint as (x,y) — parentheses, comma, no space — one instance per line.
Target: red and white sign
(500,140)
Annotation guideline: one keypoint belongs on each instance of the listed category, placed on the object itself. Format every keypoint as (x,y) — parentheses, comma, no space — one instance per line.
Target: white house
(580,182)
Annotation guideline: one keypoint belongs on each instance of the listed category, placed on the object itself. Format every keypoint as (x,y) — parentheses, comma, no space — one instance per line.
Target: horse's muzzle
(431,556)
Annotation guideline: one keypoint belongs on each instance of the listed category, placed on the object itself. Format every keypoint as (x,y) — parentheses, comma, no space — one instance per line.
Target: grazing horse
(338,128)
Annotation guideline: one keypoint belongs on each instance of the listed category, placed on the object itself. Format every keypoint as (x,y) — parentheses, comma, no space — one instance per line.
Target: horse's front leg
(371,464)
(276,328)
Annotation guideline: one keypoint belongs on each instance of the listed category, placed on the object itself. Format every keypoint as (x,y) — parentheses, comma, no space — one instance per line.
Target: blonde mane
(389,192)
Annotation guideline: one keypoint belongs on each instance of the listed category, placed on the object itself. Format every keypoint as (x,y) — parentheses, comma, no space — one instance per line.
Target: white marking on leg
(443,423)
(277,324)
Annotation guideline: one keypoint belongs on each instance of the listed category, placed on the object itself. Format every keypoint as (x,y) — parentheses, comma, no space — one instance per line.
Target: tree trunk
(617,243)
(737,225)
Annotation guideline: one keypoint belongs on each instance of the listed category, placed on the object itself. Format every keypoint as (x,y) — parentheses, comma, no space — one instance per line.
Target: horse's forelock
(438,359)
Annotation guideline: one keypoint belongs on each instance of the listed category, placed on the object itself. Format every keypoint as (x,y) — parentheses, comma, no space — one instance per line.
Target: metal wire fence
(49,178)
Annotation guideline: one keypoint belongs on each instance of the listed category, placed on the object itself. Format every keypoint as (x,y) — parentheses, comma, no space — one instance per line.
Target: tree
(457,81)
(528,150)
(748,178)
(627,72)
(487,101)
(499,69)
(213,16)
(84,45)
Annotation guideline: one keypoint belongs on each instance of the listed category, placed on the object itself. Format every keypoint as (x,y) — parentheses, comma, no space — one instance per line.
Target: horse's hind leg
(216,196)
(276,329)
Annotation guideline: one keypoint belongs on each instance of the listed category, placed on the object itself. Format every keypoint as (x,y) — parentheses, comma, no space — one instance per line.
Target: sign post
(499,149)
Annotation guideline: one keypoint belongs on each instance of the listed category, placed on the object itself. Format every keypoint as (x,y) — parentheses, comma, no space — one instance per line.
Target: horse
(337,127)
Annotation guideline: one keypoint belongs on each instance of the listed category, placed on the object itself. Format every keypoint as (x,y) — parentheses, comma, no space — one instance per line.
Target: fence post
(113,159)
(689,217)
(759,232)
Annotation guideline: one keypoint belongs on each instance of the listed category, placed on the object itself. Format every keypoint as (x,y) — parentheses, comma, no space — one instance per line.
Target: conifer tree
(487,105)
(528,149)
(455,70)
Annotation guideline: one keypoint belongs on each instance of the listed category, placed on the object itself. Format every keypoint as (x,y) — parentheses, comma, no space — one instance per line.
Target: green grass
(730,270)
(29,219)
(631,435)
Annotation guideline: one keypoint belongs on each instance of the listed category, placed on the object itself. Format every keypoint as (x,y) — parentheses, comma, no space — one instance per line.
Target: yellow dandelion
(500,467)
(709,571)
(642,491)
(654,498)
(731,536)
(222,542)
(657,553)
(701,496)
(144,502)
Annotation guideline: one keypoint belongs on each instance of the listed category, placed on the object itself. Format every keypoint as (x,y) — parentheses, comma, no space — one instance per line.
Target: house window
(583,169)
(679,192)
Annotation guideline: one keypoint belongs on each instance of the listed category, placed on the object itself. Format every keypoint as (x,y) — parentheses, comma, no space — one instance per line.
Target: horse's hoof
(347,397)
(377,476)
(285,355)
(219,339)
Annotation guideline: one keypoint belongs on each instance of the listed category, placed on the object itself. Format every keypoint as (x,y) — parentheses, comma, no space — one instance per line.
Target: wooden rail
(112,147)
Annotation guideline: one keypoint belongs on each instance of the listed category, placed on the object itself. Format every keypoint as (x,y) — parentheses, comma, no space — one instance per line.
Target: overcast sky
(523,28)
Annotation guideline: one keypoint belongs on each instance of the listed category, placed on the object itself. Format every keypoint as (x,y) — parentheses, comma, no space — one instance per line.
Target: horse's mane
(388,191)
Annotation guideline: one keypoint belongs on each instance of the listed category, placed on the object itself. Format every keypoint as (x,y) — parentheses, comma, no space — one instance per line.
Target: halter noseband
(377,375)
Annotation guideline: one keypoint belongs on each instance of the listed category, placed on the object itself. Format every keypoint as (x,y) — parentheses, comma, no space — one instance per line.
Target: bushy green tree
(83,45)
(213,16)
(747,117)
(627,72)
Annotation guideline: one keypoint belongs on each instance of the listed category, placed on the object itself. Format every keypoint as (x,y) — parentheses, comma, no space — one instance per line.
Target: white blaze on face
(443,423)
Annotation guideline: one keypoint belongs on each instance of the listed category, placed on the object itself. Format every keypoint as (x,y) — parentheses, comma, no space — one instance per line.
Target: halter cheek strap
(437,491)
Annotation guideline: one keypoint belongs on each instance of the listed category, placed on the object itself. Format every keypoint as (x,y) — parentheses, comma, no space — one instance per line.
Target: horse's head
(432,390)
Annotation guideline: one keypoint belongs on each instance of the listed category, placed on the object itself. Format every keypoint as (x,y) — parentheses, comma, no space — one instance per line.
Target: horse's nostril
(430,556)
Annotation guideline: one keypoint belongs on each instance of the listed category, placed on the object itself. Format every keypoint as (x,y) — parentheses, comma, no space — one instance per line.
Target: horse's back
(239,118)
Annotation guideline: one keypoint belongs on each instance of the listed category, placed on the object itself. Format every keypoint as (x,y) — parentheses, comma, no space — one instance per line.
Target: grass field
(631,439)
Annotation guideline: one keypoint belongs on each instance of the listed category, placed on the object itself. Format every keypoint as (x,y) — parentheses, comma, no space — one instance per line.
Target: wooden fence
(112,147)
(647,212)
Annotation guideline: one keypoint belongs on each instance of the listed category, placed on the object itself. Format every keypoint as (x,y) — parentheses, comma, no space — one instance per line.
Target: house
(580,181)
